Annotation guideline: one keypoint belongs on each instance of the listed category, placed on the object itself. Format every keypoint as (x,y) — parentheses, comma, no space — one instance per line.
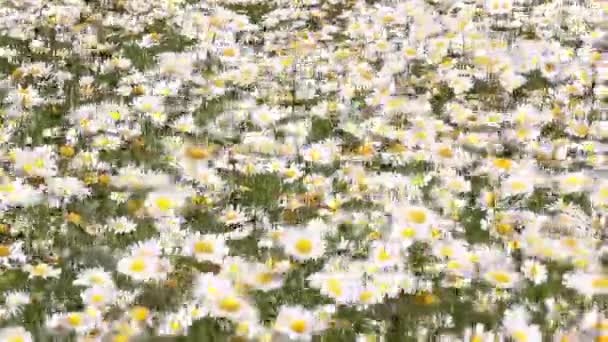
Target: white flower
(15,334)
(517,326)
(94,277)
(265,116)
(175,324)
(535,271)
(144,268)
(121,225)
(67,188)
(176,64)
(209,285)
(206,247)
(98,296)
(14,302)
(37,162)
(296,322)
(164,203)
(12,253)
(587,284)
(17,193)
(149,104)
(303,244)
(42,270)
(573,182)
(80,322)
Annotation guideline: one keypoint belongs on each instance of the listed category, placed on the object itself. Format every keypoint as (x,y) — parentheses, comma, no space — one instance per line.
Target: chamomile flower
(11,254)
(144,268)
(14,303)
(501,277)
(587,284)
(78,321)
(263,278)
(98,296)
(15,334)
(303,244)
(16,193)
(517,326)
(94,277)
(206,247)
(573,182)
(535,271)
(42,270)
(164,203)
(232,306)
(37,162)
(599,196)
(296,323)
(209,285)
(121,225)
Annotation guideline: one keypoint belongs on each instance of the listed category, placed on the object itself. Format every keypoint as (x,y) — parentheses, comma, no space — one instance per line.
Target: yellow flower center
(454,265)
(231,215)
(298,326)
(290,173)
(520,336)
(408,232)
(229,52)
(230,304)
(138,266)
(315,155)
(39,270)
(477,338)
(518,186)
(504,228)
(195,152)
(75,320)
(600,283)
(335,287)
(97,298)
(164,204)
(4,251)
(573,181)
(121,338)
(304,246)
(504,164)
(7,188)
(445,152)
(384,255)
(500,277)
(140,313)
(203,247)
(264,278)
(175,326)
(366,296)
(417,216)
(115,115)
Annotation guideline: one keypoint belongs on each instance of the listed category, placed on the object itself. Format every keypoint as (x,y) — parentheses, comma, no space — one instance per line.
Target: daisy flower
(303,244)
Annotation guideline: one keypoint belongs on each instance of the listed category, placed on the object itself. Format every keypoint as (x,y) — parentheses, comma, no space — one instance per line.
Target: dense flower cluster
(285,169)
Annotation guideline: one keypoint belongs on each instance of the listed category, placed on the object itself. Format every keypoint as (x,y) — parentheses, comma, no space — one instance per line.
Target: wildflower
(15,334)
(94,277)
(144,268)
(42,270)
(535,271)
(98,296)
(295,322)
(206,247)
(121,225)
(303,244)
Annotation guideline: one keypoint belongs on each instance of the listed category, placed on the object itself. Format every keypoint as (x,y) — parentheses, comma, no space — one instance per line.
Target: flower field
(288,170)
